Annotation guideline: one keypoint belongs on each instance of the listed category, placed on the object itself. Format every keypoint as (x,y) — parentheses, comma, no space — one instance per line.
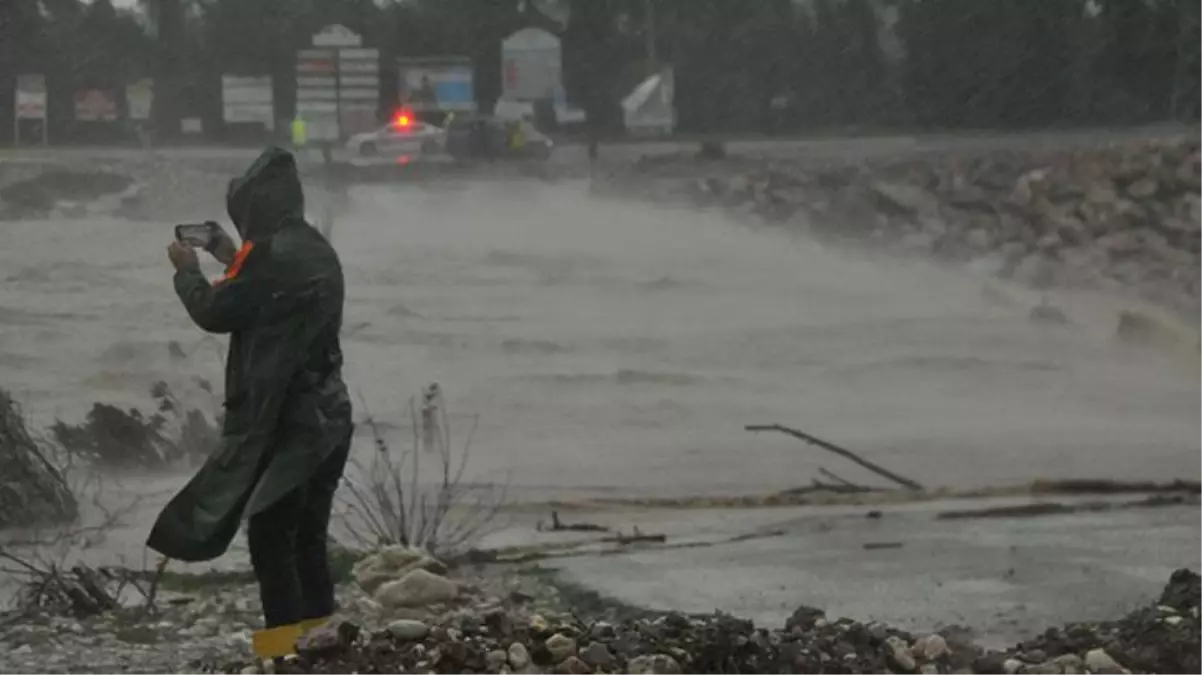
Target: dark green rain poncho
(286,407)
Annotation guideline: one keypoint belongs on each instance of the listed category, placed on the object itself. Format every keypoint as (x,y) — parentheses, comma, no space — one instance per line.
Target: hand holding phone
(197,235)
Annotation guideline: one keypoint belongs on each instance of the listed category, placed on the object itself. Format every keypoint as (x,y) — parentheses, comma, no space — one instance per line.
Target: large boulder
(393,563)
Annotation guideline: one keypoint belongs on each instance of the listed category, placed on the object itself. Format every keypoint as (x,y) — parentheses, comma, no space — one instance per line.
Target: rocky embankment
(501,635)
(402,611)
(1122,217)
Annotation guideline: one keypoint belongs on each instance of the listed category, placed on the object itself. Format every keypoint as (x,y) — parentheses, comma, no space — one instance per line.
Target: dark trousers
(288,548)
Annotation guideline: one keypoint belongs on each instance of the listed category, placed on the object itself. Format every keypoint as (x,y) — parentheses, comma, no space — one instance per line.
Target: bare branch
(842,452)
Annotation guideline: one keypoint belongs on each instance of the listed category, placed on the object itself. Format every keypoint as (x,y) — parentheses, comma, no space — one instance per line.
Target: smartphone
(196,235)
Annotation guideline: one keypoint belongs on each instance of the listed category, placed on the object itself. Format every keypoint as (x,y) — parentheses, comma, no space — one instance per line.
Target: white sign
(531,66)
(139,98)
(31,97)
(337,35)
(247,100)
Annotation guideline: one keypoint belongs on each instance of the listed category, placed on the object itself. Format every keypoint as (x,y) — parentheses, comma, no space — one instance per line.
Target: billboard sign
(31,97)
(139,97)
(436,84)
(247,100)
(96,105)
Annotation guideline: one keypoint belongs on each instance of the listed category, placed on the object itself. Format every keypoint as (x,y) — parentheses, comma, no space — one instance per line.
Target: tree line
(740,65)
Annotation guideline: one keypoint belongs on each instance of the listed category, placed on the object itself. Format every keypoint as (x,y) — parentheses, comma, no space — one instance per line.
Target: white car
(404,138)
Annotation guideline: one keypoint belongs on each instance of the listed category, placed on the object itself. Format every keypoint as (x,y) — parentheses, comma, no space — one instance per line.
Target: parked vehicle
(476,136)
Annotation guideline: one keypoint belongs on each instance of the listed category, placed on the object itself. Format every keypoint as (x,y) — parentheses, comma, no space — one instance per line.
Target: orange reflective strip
(240,258)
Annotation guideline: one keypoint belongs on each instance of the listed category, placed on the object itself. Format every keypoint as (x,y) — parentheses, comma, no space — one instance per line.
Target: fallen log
(842,452)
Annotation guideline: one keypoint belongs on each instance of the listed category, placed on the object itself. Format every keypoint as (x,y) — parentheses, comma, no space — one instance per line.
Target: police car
(404,138)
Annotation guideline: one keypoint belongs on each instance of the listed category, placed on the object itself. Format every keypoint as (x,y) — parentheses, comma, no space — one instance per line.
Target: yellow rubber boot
(309,624)
(272,643)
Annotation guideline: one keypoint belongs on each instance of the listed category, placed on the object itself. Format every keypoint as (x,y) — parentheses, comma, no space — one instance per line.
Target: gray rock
(900,655)
(496,660)
(573,666)
(560,647)
(1069,664)
(1045,668)
(925,669)
(415,589)
(1012,665)
(519,658)
(1098,661)
(597,654)
(656,663)
(930,648)
(903,198)
(1143,188)
(408,629)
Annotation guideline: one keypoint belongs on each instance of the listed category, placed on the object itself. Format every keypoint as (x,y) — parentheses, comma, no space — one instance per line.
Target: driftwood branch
(842,452)
(840,479)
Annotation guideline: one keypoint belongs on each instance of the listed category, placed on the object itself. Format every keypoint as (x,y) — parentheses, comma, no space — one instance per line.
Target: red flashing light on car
(403,120)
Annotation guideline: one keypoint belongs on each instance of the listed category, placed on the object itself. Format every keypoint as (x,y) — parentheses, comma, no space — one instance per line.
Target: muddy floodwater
(618,348)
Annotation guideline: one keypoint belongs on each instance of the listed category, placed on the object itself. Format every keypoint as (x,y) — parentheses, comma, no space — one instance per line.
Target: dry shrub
(126,439)
(387,502)
(33,489)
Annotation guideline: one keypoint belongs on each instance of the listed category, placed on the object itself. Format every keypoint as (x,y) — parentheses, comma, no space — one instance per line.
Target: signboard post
(31,105)
(337,85)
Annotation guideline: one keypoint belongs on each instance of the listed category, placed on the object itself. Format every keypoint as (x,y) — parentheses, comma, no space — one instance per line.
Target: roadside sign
(30,105)
(247,99)
(31,97)
(95,105)
(139,97)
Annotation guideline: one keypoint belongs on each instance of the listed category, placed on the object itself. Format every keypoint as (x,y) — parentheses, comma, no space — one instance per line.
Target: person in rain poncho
(287,428)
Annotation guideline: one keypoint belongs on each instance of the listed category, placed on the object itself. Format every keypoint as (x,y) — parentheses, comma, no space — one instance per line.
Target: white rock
(930,648)
(392,563)
(1012,666)
(408,629)
(561,647)
(519,658)
(900,653)
(415,589)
